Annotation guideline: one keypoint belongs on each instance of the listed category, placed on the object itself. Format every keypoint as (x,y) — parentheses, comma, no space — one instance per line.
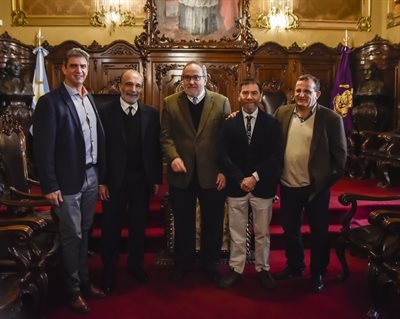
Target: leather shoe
(317,283)
(91,291)
(213,276)
(179,274)
(266,279)
(288,273)
(78,304)
(139,274)
(229,279)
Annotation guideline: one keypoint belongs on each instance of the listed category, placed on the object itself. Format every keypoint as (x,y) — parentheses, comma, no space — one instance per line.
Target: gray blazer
(328,146)
(180,139)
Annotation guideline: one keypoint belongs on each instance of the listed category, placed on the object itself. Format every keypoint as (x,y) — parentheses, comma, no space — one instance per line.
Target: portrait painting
(393,13)
(207,20)
(72,13)
(319,14)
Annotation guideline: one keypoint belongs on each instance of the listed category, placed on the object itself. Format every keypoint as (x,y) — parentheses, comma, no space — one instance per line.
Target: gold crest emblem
(343,102)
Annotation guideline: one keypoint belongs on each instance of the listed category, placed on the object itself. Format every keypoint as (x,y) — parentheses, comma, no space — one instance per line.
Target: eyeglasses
(195,78)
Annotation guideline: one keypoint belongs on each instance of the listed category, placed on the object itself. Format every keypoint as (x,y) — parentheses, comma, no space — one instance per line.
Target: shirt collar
(254,114)
(125,106)
(199,97)
(308,116)
(73,91)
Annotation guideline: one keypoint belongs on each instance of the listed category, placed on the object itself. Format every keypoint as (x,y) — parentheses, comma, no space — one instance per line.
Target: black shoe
(139,274)
(266,279)
(213,276)
(288,273)
(107,289)
(179,274)
(317,283)
(229,279)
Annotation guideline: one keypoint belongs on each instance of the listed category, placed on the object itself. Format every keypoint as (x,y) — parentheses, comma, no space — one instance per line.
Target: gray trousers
(75,215)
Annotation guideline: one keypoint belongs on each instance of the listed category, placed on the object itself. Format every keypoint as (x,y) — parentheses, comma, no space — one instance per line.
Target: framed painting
(197,23)
(63,13)
(393,13)
(321,14)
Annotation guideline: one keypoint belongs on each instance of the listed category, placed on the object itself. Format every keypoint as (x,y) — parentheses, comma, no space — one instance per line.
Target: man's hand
(55,198)
(221,182)
(104,194)
(156,189)
(178,166)
(248,183)
(232,115)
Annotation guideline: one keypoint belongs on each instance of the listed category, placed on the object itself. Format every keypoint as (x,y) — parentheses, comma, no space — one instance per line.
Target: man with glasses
(314,159)
(190,125)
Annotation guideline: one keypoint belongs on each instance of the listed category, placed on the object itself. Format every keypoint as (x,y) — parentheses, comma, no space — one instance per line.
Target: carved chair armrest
(17,194)
(371,141)
(15,246)
(33,181)
(376,217)
(24,202)
(34,222)
(347,199)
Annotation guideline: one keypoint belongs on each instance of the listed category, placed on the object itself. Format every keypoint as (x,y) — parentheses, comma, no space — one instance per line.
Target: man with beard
(190,126)
(251,159)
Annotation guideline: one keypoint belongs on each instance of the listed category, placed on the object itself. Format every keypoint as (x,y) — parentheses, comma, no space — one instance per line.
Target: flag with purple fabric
(342,92)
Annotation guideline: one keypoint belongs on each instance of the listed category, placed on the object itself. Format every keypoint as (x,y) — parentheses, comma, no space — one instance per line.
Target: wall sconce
(112,13)
(279,16)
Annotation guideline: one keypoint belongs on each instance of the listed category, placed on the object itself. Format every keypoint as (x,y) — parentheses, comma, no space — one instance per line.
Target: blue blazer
(238,159)
(59,145)
(116,144)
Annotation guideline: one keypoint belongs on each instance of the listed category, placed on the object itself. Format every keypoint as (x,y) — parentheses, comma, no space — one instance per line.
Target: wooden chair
(384,269)
(363,241)
(19,290)
(21,203)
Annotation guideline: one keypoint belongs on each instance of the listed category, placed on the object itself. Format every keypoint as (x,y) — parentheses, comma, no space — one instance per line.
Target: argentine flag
(40,84)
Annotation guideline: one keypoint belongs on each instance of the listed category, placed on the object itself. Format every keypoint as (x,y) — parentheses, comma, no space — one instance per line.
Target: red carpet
(196,298)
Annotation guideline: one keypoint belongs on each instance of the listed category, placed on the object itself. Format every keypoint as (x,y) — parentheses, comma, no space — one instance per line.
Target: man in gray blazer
(315,157)
(190,125)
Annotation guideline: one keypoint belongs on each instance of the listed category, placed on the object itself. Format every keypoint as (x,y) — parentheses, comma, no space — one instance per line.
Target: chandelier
(112,13)
(280,15)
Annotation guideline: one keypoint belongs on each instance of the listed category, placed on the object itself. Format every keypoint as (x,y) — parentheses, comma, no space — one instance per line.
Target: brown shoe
(78,304)
(91,291)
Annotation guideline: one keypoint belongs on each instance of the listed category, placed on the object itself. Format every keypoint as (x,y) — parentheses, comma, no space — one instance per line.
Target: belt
(90,165)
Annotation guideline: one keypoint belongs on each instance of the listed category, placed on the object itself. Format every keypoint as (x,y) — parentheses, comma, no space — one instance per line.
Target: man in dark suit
(190,126)
(69,154)
(251,159)
(134,168)
(315,157)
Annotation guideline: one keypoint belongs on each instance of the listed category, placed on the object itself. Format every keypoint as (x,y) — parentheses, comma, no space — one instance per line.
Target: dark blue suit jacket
(116,144)
(59,144)
(238,159)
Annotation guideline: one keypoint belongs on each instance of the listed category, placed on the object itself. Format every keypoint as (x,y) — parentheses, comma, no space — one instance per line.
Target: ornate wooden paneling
(164,70)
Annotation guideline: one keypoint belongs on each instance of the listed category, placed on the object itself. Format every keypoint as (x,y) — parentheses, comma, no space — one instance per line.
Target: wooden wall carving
(227,66)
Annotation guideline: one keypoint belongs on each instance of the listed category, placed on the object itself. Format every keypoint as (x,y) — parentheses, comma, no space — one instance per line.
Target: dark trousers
(212,217)
(293,202)
(133,198)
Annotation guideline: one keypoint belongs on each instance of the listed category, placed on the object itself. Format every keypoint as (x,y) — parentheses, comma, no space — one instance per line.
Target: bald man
(133,171)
